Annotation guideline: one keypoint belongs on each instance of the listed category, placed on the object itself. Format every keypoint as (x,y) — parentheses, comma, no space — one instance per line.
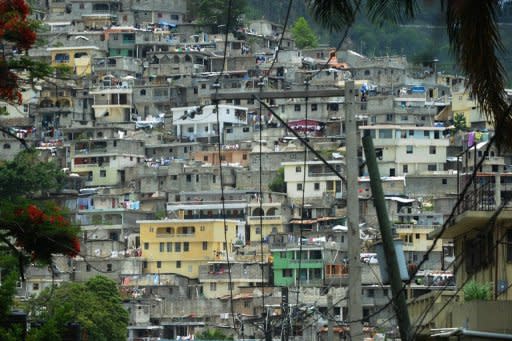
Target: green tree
(459,122)
(95,305)
(31,227)
(473,35)
(215,12)
(213,334)
(304,36)
(278,184)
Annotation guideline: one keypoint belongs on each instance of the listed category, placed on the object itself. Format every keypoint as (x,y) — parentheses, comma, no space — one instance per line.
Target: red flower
(34,213)
(75,247)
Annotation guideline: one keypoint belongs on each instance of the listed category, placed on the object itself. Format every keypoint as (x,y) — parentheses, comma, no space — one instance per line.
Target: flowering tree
(17,34)
(32,228)
(29,226)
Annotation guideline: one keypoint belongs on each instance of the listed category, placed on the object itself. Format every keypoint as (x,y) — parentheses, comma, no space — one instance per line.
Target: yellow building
(78,58)
(180,246)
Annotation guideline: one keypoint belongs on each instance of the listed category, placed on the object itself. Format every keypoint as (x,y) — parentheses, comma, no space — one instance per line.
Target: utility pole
(285,314)
(399,304)
(330,321)
(355,307)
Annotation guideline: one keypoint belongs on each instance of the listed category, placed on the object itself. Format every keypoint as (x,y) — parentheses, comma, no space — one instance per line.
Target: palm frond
(475,40)
(334,14)
(395,11)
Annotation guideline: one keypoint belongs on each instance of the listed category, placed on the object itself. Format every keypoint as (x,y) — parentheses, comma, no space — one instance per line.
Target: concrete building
(181,246)
(200,123)
(408,149)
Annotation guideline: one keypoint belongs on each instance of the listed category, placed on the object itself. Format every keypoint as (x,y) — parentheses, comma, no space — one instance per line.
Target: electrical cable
(260,121)
(223,211)
(282,36)
(459,287)
(226,36)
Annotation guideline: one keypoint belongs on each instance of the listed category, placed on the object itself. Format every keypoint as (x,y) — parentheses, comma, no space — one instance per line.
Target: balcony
(265,219)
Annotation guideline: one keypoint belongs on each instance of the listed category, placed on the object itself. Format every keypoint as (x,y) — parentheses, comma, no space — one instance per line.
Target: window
(7,146)
(314,107)
(205,245)
(404,118)
(258,230)
(317,186)
(213,286)
(298,169)
(417,236)
(409,149)
(145,264)
(169,246)
(444,181)
(296,107)
(426,133)
(35,286)
(244,156)
(88,267)
(177,247)
(370,292)
(189,178)
(432,167)
(405,169)
(205,158)
(245,129)
(299,187)
(162,247)
(103,173)
(109,267)
(287,272)
(385,134)
(178,264)
(432,149)
(146,246)
(158,264)
(186,246)
(202,228)
(389,117)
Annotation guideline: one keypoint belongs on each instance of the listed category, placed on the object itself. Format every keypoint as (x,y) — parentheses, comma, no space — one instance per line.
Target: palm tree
(473,35)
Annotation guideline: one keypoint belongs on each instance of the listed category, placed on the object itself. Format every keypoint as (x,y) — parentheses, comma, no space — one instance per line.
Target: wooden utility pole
(399,304)
(330,316)
(355,307)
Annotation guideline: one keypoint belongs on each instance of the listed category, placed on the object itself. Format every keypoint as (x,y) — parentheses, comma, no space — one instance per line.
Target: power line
(492,220)
(282,36)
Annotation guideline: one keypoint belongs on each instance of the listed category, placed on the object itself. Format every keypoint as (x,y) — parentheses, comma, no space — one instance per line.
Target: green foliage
(474,290)
(278,184)
(459,122)
(96,305)
(215,12)
(27,175)
(303,34)
(213,334)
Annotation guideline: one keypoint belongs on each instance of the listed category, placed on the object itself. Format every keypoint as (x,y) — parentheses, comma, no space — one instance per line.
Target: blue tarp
(418,89)
(165,23)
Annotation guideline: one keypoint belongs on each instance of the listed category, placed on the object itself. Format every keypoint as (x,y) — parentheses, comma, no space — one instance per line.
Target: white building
(319,179)
(201,122)
(408,149)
